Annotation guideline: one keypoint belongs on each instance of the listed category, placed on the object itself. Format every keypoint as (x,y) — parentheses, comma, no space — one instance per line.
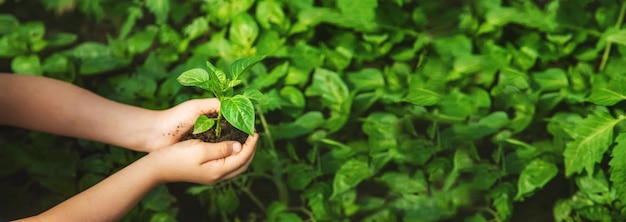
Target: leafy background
(400,110)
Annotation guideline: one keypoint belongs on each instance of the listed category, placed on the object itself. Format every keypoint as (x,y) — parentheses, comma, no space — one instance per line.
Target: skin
(61,108)
(27,102)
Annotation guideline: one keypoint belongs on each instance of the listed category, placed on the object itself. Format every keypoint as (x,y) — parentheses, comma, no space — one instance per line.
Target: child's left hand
(171,124)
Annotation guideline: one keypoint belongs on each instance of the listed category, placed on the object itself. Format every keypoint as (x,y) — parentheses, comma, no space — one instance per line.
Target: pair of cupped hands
(192,160)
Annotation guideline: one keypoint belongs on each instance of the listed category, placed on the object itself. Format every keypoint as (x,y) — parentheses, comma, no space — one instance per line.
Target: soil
(228,133)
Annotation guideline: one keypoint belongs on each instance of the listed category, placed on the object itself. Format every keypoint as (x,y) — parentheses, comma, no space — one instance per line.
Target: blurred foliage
(400,110)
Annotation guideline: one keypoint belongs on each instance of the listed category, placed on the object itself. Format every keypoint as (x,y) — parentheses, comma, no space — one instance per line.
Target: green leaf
(202,124)
(160,9)
(551,79)
(367,79)
(30,65)
(268,13)
(90,50)
(349,175)
(254,94)
(618,37)
(140,42)
(301,126)
(292,96)
(219,74)
(534,176)
(335,96)
(99,65)
(608,94)
(243,30)
(196,77)
(196,28)
(242,65)
(593,137)
(299,176)
(401,183)
(382,130)
(132,14)
(8,23)
(162,217)
(457,45)
(61,39)
(502,200)
(618,166)
(422,96)
(228,201)
(158,199)
(239,112)
(57,63)
(487,125)
(358,14)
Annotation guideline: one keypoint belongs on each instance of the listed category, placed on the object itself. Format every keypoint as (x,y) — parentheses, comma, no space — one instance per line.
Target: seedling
(236,109)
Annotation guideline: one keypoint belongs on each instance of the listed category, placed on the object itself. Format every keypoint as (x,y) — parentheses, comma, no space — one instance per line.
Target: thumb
(215,151)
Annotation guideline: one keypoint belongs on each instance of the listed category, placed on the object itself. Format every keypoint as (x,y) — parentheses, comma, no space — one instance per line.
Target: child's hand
(171,124)
(200,162)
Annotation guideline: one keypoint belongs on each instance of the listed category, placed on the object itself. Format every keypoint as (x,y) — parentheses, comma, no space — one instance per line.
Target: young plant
(236,109)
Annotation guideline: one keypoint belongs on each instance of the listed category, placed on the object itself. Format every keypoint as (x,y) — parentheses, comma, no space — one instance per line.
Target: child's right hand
(199,162)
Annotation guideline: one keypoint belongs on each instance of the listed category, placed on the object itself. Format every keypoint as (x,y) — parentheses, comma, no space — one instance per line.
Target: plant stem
(253,197)
(218,127)
(266,128)
(304,210)
(607,47)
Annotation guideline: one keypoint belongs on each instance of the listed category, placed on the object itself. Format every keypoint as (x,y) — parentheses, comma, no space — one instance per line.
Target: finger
(216,151)
(204,106)
(237,160)
(239,170)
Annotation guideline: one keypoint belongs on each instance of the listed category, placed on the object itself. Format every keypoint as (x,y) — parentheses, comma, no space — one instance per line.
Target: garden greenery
(398,110)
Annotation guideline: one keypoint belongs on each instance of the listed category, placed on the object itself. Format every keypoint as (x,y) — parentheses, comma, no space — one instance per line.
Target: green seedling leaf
(536,175)
(239,112)
(203,123)
(219,74)
(233,83)
(256,95)
(241,65)
(196,77)
(593,137)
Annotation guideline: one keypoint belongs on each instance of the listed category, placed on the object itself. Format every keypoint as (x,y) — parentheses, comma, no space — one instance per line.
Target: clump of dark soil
(229,133)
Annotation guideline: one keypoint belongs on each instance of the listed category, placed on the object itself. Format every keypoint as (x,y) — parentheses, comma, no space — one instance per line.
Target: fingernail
(236,147)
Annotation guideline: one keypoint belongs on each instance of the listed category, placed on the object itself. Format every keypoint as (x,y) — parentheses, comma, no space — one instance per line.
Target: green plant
(376,110)
(237,109)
